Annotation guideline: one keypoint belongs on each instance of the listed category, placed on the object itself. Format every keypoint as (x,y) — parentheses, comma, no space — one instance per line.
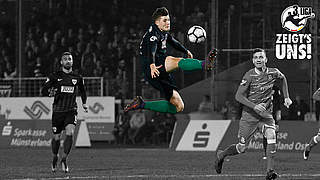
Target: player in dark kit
(63,85)
(157,65)
(255,93)
(315,139)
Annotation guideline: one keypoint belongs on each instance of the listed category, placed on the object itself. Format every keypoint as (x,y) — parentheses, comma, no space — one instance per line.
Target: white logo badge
(153,38)
(295,18)
(74,81)
(59,79)
(6,131)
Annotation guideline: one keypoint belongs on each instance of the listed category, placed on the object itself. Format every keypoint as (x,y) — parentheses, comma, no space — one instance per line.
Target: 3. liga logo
(295,18)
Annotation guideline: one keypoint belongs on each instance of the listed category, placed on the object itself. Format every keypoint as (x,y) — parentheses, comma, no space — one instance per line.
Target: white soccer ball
(196,34)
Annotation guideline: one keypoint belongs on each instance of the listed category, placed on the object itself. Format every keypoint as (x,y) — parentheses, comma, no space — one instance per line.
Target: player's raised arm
(176,44)
(287,100)
(47,88)
(242,91)
(83,94)
(153,68)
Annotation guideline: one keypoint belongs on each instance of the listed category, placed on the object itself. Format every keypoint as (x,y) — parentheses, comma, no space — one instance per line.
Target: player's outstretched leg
(313,142)
(208,64)
(137,103)
(189,64)
(264,142)
(229,151)
(158,106)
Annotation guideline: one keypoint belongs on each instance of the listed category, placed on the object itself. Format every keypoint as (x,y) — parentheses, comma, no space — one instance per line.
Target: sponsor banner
(101,109)
(32,133)
(100,131)
(202,135)
(292,136)
(21,133)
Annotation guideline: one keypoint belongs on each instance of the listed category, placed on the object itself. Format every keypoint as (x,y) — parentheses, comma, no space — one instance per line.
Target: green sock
(160,106)
(190,64)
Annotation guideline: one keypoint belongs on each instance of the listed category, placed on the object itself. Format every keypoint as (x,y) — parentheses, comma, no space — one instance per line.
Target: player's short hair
(162,11)
(65,54)
(258,50)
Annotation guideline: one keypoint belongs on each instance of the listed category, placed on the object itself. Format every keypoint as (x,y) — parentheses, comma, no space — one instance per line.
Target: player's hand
(316,95)
(190,55)
(287,102)
(52,92)
(259,108)
(85,108)
(154,70)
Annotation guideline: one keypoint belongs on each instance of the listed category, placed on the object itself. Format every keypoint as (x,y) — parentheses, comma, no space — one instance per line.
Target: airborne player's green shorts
(250,123)
(164,82)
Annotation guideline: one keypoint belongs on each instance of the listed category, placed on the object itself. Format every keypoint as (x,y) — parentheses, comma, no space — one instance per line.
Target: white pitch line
(173,176)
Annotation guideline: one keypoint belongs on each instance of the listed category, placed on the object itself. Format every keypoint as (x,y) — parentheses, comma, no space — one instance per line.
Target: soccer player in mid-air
(157,65)
(255,93)
(64,85)
(315,139)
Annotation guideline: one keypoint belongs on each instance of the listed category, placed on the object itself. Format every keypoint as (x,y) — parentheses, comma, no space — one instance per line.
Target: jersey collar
(259,72)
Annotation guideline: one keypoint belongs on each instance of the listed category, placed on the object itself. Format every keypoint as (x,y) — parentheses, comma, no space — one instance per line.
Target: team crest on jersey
(269,77)
(153,38)
(150,29)
(74,81)
(47,80)
(242,140)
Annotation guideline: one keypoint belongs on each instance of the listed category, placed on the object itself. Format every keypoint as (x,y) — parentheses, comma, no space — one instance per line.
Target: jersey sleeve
(82,90)
(152,40)
(242,91)
(278,74)
(176,44)
(50,82)
(246,80)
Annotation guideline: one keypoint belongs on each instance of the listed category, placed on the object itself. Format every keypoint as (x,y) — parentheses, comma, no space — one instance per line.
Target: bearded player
(157,65)
(63,85)
(255,93)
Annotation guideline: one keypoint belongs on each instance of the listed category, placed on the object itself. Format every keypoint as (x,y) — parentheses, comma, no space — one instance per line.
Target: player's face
(259,59)
(66,61)
(163,23)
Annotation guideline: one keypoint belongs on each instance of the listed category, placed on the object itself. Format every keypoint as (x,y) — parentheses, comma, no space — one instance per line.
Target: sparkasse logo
(295,18)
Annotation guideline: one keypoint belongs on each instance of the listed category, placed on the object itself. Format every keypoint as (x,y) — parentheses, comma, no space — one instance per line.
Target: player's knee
(70,129)
(241,148)
(180,107)
(56,137)
(270,134)
(317,138)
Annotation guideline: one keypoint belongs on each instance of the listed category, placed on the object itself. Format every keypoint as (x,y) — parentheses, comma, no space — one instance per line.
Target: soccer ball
(196,34)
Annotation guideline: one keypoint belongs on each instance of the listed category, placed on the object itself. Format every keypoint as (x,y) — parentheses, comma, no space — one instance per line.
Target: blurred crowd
(103,37)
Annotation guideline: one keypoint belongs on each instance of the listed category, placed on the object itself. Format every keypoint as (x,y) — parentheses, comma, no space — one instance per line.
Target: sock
(271,151)
(230,151)
(55,145)
(160,106)
(67,144)
(313,142)
(265,145)
(190,64)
